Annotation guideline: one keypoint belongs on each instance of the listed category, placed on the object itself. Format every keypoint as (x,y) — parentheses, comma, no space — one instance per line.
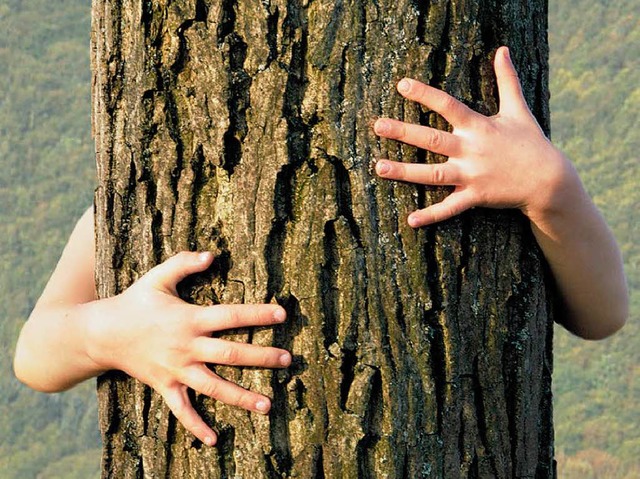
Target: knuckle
(487,129)
(477,149)
(400,132)
(479,197)
(179,408)
(205,318)
(453,210)
(234,316)
(177,326)
(449,103)
(436,140)
(245,399)
(473,174)
(395,130)
(254,315)
(439,174)
(442,213)
(398,171)
(191,350)
(212,389)
(230,355)
(270,358)
(198,316)
(421,95)
(223,315)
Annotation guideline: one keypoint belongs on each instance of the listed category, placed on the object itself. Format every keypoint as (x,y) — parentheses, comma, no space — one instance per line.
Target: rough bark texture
(243,127)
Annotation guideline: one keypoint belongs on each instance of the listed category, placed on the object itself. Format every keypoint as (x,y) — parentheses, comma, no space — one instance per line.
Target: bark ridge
(243,128)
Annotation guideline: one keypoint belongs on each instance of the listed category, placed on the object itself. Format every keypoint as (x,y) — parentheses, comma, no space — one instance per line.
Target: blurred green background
(47,180)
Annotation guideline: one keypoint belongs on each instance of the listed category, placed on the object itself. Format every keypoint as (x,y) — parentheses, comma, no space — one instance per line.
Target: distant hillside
(595,85)
(47,179)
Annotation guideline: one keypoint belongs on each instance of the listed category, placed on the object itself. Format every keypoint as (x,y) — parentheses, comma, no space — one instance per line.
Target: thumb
(169,273)
(512,100)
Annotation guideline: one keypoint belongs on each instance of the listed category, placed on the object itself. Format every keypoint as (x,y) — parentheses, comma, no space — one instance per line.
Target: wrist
(98,337)
(558,193)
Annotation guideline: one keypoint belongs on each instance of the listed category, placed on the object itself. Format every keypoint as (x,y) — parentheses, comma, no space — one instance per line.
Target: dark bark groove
(243,128)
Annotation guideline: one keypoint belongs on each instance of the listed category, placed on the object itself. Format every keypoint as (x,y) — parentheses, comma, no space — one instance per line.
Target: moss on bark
(243,128)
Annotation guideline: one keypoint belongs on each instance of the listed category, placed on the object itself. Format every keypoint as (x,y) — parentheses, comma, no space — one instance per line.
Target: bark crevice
(244,128)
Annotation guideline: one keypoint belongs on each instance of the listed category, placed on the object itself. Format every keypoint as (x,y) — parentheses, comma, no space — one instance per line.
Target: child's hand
(166,343)
(503,161)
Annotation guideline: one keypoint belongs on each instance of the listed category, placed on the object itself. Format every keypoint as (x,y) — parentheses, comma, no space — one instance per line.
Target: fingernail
(204,257)
(262,406)
(381,127)
(209,441)
(413,221)
(279,315)
(383,168)
(285,359)
(507,55)
(404,85)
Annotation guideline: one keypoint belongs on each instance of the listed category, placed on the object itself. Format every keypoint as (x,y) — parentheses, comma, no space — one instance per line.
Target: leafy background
(47,179)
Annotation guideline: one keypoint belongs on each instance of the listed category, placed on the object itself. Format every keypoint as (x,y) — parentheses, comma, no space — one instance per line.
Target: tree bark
(243,128)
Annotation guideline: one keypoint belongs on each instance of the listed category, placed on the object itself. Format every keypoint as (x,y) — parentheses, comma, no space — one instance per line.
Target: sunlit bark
(243,128)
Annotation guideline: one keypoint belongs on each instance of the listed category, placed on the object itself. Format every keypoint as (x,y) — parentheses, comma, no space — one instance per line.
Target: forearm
(52,353)
(585,261)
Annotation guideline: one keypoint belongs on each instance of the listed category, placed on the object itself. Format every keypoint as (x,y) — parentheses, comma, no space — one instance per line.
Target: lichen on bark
(243,128)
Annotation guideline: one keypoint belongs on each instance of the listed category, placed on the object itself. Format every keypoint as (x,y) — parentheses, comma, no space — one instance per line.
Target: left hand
(502,161)
(151,334)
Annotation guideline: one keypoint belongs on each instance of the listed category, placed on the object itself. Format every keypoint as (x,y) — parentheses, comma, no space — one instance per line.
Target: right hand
(500,161)
(156,337)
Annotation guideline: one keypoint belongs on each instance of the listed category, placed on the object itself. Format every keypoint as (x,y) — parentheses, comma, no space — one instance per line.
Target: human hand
(502,161)
(154,336)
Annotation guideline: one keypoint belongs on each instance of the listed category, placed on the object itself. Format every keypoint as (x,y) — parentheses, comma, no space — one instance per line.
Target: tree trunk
(243,128)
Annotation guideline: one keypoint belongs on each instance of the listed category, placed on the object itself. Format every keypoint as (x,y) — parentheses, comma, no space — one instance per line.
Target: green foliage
(47,178)
(595,85)
(46,181)
(75,466)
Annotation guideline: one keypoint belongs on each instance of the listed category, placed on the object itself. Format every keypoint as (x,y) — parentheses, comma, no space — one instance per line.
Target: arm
(51,354)
(505,161)
(147,332)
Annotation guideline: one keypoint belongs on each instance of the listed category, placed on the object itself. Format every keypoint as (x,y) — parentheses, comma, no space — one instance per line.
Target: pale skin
(147,332)
(503,161)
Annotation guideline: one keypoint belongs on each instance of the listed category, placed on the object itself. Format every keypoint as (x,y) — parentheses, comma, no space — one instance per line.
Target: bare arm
(51,354)
(147,332)
(505,161)
(586,263)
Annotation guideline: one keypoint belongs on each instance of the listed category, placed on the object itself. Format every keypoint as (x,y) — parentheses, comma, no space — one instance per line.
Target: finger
(230,353)
(454,111)
(231,316)
(433,174)
(509,89)
(169,273)
(206,382)
(431,139)
(180,405)
(451,206)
